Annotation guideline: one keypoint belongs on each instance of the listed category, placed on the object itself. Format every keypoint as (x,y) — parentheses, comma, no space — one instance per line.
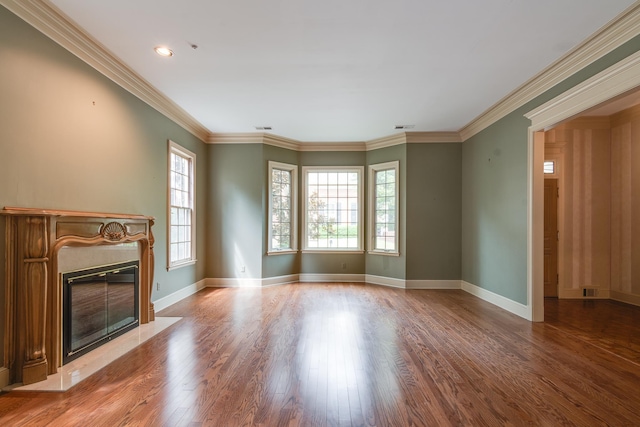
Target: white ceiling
(339,70)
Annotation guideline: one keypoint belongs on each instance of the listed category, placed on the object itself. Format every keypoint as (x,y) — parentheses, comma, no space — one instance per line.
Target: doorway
(551,238)
(613,83)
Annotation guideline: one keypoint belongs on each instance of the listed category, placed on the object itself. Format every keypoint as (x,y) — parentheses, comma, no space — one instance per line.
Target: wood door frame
(616,80)
(557,154)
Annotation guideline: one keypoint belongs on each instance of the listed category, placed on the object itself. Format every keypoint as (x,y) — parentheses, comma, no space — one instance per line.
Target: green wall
(281,264)
(434,210)
(430,213)
(235,209)
(494,193)
(72,139)
(386,265)
(494,209)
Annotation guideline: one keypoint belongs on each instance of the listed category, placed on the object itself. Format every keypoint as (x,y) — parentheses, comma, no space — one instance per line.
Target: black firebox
(98,305)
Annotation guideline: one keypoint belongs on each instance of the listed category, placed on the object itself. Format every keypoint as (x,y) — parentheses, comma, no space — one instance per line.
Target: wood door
(551,238)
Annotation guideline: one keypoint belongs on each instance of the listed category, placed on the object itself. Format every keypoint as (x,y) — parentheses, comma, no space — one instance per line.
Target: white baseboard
(306,277)
(495,299)
(241,282)
(625,297)
(280,280)
(498,300)
(169,300)
(234,282)
(434,284)
(385,281)
(4,377)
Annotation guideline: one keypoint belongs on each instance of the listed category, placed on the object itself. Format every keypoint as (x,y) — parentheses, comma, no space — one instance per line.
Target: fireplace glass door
(99,304)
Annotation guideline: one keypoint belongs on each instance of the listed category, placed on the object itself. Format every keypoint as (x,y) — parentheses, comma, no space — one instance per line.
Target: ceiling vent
(398,127)
(263,127)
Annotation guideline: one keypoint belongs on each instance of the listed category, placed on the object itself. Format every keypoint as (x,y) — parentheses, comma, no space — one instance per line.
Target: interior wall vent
(263,127)
(397,127)
(589,292)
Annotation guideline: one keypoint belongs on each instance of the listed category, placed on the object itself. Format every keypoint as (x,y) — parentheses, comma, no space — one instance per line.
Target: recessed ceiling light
(163,51)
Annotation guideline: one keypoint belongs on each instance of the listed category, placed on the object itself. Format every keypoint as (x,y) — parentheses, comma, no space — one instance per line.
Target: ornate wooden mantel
(33,335)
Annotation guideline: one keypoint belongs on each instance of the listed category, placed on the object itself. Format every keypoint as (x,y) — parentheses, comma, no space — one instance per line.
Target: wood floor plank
(360,355)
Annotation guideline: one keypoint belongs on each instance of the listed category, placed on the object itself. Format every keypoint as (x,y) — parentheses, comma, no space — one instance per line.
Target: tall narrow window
(333,208)
(181,223)
(283,184)
(383,222)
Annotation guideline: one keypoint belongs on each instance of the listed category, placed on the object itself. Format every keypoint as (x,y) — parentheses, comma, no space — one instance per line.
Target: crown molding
(253,138)
(282,142)
(333,146)
(615,80)
(375,144)
(617,32)
(236,138)
(433,137)
(413,138)
(47,19)
(387,141)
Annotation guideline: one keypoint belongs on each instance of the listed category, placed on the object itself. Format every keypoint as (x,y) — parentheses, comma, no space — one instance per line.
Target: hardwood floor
(604,323)
(346,354)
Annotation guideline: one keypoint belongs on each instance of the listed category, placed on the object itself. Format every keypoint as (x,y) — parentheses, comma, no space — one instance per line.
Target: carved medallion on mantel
(33,311)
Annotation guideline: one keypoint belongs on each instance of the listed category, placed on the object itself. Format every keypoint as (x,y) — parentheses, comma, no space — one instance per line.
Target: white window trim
(294,208)
(178,149)
(360,171)
(372,208)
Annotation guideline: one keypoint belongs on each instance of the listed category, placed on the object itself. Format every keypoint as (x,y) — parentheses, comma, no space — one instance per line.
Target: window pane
(332,213)
(384,205)
(281,207)
(181,211)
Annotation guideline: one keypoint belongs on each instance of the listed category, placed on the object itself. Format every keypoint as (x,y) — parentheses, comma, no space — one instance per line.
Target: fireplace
(98,304)
(41,248)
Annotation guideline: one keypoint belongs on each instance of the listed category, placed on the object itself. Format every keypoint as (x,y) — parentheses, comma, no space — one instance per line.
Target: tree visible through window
(333,208)
(282,206)
(384,201)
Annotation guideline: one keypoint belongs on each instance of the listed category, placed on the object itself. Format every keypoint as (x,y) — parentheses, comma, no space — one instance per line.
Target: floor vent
(589,292)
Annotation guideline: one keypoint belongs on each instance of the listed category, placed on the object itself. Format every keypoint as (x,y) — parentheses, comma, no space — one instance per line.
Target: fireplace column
(31,295)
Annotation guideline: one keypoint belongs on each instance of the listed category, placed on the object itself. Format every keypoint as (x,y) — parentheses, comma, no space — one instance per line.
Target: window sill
(180,265)
(283,252)
(384,253)
(333,251)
